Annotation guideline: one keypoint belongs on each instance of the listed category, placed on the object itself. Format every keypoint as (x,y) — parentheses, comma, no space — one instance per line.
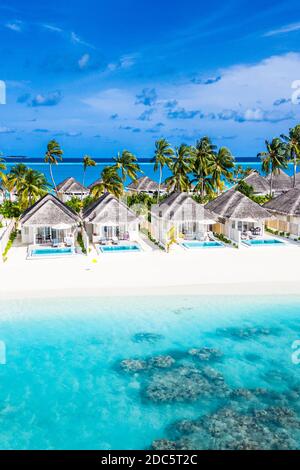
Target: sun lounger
(55,243)
(115,241)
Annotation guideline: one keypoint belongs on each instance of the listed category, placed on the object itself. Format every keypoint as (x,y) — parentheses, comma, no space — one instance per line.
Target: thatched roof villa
(180,216)
(145,185)
(237,214)
(281,182)
(286,211)
(49,220)
(109,218)
(69,188)
(260,185)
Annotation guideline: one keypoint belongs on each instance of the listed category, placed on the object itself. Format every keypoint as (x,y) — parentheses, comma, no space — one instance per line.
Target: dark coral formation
(145,337)
(206,354)
(185,384)
(227,429)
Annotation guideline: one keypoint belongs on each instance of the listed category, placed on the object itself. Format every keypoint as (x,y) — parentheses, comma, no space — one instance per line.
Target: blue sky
(102,76)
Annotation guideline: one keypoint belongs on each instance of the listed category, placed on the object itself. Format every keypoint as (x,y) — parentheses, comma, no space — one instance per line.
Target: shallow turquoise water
(62,386)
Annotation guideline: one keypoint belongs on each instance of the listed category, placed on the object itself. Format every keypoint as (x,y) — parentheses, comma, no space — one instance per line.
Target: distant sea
(73,167)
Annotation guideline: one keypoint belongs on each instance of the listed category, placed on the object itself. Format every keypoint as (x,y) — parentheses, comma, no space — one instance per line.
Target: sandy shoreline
(254,271)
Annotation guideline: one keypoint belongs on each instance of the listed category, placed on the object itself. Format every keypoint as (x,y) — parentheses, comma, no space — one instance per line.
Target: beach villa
(110,219)
(260,185)
(49,222)
(281,182)
(239,216)
(145,185)
(69,188)
(286,212)
(178,218)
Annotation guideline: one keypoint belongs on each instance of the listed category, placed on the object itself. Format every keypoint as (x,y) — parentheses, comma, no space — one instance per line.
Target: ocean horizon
(72,167)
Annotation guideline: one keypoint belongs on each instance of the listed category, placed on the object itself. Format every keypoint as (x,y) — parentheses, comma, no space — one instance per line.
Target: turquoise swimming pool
(119,248)
(264,241)
(124,373)
(198,244)
(50,251)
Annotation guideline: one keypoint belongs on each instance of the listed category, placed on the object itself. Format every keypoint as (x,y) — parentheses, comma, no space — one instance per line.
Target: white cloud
(289,28)
(77,40)
(52,28)
(83,61)
(14,26)
(6,130)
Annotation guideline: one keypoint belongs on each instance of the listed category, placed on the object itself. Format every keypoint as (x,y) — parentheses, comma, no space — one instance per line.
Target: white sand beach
(250,271)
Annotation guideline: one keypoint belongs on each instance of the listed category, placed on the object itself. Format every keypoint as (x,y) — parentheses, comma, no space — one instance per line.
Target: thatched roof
(259,184)
(108,209)
(234,205)
(144,184)
(49,211)
(71,186)
(281,181)
(286,204)
(181,206)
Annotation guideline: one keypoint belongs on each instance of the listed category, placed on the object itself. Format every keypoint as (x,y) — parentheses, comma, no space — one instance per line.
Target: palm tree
(292,147)
(219,165)
(203,152)
(127,163)
(181,166)
(14,177)
(2,166)
(110,182)
(53,154)
(273,159)
(87,163)
(31,187)
(162,157)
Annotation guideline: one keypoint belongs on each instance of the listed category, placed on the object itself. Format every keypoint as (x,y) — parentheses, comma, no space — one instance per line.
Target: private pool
(50,252)
(264,241)
(208,244)
(119,248)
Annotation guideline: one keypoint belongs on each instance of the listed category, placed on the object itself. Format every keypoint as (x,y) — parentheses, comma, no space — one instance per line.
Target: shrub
(12,238)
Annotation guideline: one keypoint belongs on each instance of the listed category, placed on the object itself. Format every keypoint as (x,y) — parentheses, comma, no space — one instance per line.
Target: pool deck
(267,270)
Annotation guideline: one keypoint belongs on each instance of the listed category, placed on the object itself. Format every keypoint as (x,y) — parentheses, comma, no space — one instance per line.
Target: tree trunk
(271,184)
(159,185)
(53,182)
(295,170)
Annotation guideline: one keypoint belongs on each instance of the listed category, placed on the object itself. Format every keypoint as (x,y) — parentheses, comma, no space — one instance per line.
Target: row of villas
(50,222)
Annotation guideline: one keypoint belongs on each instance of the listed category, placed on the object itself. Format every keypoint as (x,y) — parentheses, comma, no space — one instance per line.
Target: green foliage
(10,210)
(222,238)
(80,243)
(245,188)
(12,238)
(75,204)
(261,199)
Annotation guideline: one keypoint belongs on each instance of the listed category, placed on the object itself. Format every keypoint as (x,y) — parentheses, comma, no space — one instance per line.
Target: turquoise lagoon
(62,386)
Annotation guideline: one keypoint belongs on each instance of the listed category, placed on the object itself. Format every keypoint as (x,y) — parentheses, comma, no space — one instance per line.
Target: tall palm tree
(87,163)
(110,182)
(181,166)
(220,165)
(162,157)
(292,147)
(2,166)
(203,152)
(14,177)
(127,163)
(52,155)
(273,159)
(31,187)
